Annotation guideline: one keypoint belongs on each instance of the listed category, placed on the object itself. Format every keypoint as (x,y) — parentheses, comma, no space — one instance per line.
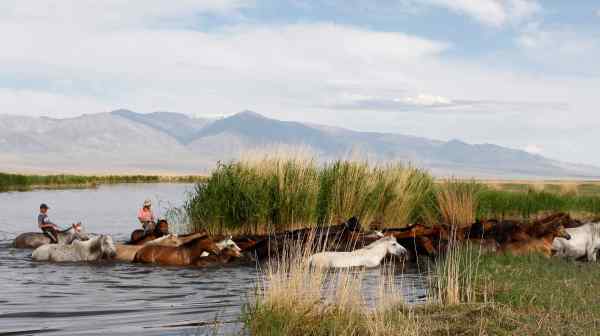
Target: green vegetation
(506,204)
(10,182)
(275,195)
(280,194)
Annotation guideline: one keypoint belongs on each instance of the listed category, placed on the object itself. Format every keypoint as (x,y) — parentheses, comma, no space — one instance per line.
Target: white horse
(97,248)
(36,239)
(368,256)
(584,242)
(227,242)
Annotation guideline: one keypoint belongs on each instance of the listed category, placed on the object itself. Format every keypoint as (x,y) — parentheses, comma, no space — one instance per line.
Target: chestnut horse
(225,256)
(541,244)
(182,255)
(127,252)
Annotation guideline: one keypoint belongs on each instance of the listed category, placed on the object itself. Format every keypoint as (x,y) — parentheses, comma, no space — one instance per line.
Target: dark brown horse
(183,255)
(327,238)
(140,237)
(539,244)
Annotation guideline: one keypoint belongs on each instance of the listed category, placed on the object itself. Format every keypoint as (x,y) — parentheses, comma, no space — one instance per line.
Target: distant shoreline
(25,182)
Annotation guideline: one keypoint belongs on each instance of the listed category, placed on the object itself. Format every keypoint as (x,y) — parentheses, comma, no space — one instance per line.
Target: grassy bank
(472,294)
(274,194)
(18,182)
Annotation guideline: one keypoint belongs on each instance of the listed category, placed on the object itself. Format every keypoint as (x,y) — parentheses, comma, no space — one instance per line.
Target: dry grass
(457,202)
(294,299)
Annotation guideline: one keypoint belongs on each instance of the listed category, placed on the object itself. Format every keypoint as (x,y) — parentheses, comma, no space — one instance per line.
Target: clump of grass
(455,274)
(458,202)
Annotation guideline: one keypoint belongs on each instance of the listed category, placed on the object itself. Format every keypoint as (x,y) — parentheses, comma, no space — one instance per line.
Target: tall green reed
(275,194)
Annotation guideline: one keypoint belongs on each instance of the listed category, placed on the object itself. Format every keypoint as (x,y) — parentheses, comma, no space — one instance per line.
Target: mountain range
(127,142)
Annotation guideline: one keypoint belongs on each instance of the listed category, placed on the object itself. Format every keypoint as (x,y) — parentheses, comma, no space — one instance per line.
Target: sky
(518,73)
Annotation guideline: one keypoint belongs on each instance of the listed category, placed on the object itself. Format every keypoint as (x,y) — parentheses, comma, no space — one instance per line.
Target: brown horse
(127,252)
(225,256)
(183,255)
(541,244)
(140,237)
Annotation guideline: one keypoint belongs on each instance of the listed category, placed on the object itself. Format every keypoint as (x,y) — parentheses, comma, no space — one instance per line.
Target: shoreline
(24,182)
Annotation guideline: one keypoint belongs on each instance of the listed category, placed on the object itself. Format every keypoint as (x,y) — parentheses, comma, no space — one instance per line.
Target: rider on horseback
(48,228)
(146,217)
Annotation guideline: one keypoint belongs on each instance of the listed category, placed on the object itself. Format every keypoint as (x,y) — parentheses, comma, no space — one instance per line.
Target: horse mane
(67,229)
(96,244)
(378,242)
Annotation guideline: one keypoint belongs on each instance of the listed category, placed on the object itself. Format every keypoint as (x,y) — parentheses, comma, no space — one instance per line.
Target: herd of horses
(341,245)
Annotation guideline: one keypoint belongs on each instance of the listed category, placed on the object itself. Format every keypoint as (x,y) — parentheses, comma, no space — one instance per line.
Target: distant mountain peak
(121,111)
(249,114)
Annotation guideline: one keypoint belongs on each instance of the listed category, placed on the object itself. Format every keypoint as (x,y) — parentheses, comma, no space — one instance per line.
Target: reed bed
(272,194)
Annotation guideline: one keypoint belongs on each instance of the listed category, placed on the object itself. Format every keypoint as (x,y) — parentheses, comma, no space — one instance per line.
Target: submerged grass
(19,182)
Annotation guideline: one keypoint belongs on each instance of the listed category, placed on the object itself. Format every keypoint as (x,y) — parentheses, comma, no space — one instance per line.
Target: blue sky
(518,73)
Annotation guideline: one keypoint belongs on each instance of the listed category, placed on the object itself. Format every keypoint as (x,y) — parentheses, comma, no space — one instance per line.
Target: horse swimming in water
(225,243)
(584,242)
(97,248)
(127,252)
(183,255)
(225,256)
(36,239)
(368,256)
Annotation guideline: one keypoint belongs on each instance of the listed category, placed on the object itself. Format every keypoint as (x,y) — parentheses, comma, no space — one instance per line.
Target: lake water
(118,298)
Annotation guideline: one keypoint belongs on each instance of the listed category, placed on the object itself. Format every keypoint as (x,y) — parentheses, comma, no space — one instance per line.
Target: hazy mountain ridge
(167,142)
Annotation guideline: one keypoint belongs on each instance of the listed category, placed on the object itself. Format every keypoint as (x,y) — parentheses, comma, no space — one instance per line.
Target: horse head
(230,252)
(558,230)
(162,228)
(228,243)
(352,224)
(393,247)
(107,246)
(79,232)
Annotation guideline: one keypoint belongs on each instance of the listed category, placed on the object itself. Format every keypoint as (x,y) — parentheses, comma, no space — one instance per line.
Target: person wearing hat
(146,217)
(48,228)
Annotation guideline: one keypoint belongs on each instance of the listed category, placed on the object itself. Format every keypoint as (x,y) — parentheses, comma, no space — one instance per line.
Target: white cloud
(426,100)
(492,12)
(533,149)
(561,48)
(112,13)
